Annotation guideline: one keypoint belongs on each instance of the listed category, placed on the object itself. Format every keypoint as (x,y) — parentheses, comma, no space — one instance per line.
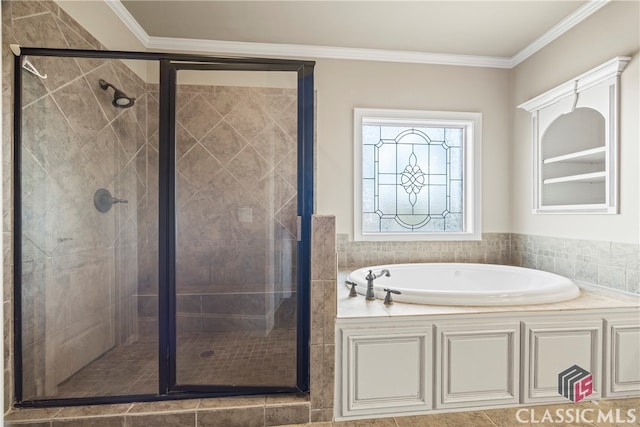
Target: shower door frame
(168,65)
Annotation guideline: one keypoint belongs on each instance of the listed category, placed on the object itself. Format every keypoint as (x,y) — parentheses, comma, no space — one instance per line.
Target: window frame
(472,169)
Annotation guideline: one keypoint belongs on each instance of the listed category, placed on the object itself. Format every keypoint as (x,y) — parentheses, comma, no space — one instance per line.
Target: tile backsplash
(608,264)
(494,248)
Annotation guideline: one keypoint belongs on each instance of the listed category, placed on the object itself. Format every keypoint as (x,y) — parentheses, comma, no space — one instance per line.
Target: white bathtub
(467,284)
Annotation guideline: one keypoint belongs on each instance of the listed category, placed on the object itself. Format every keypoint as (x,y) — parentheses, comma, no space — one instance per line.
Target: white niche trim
(575,142)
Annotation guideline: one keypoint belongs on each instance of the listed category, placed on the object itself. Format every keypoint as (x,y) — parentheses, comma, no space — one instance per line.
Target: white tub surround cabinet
(552,345)
(386,369)
(476,364)
(409,359)
(621,339)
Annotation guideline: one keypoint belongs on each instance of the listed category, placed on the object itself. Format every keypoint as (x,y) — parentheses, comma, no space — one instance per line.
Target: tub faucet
(370,278)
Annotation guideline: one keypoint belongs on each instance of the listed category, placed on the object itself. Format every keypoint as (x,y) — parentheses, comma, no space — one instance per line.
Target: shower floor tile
(235,359)
(229,358)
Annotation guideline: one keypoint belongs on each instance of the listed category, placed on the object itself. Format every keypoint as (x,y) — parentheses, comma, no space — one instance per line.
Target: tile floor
(246,411)
(508,417)
(287,410)
(229,358)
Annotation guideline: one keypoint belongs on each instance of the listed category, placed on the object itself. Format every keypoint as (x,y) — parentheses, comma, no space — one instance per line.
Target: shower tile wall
(78,279)
(236,190)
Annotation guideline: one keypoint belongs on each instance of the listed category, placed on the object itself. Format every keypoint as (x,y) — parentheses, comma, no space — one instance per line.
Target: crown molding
(127,19)
(584,81)
(330,52)
(559,29)
(327,52)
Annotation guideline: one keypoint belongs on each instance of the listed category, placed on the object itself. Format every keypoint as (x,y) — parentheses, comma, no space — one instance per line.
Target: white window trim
(472,199)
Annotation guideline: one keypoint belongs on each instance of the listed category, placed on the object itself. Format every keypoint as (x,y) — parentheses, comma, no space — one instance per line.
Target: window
(417,175)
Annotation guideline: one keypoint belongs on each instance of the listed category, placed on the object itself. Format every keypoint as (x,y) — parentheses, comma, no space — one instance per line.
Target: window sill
(407,237)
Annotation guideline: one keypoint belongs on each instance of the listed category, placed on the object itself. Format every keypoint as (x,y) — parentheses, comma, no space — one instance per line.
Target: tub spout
(370,278)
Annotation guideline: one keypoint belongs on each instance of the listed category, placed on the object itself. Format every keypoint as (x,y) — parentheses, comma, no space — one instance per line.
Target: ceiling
(498,29)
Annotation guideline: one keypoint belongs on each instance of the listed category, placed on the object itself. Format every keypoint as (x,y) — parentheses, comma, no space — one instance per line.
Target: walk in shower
(162,212)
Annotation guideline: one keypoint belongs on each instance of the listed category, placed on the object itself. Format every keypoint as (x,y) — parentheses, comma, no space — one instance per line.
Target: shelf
(574,209)
(575,143)
(592,155)
(590,178)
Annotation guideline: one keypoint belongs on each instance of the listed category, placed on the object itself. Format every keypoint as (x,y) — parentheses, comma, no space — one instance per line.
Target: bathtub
(467,284)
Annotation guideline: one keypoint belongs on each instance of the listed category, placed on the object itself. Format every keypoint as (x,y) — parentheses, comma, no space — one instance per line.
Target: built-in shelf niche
(575,141)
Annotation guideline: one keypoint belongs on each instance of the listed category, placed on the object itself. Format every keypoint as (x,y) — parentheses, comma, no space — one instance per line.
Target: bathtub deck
(591,298)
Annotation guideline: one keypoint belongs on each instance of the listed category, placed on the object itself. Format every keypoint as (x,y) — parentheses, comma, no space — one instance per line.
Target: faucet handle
(353,285)
(388,300)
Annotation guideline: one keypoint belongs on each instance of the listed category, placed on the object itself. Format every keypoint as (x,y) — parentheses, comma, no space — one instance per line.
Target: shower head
(120,99)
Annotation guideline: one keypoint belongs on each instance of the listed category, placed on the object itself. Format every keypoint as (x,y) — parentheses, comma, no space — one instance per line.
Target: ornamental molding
(593,77)
(332,52)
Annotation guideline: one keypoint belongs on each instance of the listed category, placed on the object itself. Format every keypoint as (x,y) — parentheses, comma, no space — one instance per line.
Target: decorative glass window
(417,175)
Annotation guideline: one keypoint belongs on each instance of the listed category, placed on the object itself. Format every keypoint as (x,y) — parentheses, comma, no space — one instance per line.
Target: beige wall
(613,31)
(105,26)
(343,85)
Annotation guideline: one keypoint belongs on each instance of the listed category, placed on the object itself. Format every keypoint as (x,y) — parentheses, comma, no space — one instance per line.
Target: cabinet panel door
(553,347)
(623,358)
(385,371)
(476,365)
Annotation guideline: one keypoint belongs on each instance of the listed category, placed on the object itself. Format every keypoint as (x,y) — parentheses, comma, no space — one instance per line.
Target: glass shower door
(83,226)
(161,244)
(236,200)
